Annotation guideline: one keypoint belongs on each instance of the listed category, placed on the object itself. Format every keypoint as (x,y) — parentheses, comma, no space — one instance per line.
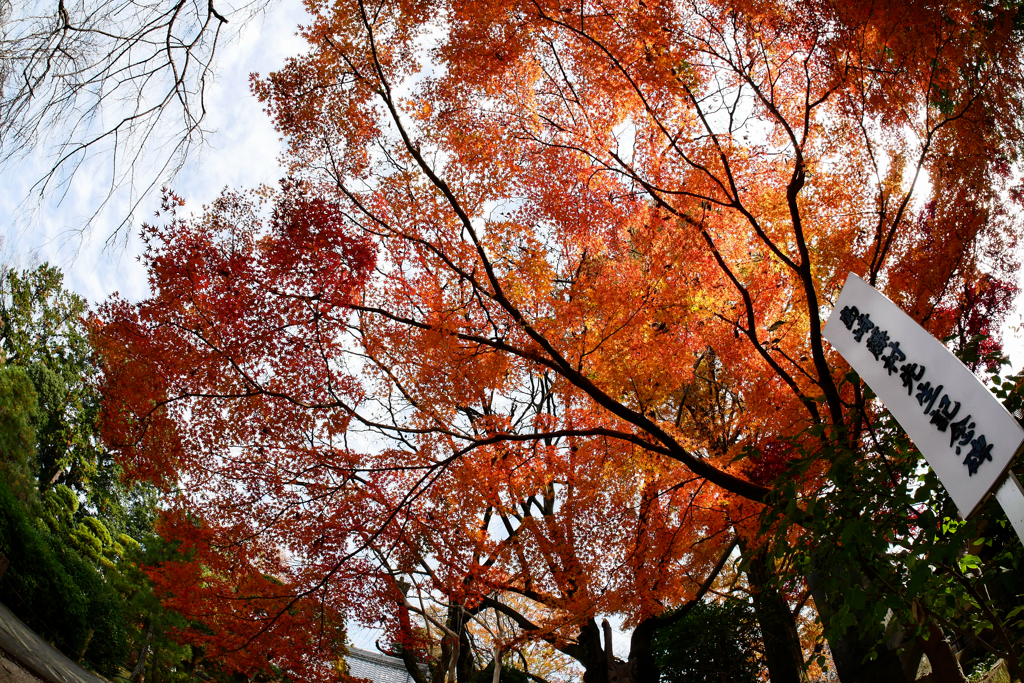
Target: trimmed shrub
(57,593)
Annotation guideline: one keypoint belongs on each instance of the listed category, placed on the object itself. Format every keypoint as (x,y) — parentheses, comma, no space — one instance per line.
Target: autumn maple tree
(538,311)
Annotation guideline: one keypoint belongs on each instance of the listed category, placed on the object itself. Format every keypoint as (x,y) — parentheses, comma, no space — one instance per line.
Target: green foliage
(18,411)
(60,505)
(69,523)
(882,538)
(715,641)
(42,329)
(57,593)
(509,674)
(43,335)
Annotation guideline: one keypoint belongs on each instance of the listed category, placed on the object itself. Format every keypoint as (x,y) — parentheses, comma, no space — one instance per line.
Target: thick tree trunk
(601,665)
(412,665)
(618,671)
(465,667)
(850,657)
(782,651)
(599,662)
(945,667)
(594,660)
(641,654)
(851,654)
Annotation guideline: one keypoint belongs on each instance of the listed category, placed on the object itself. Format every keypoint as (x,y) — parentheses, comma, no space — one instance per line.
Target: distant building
(376,667)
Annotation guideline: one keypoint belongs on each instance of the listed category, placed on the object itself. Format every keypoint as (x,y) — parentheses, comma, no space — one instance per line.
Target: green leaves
(969,562)
(919,573)
(715,640)
(18,412)
(42,329)
(885,544)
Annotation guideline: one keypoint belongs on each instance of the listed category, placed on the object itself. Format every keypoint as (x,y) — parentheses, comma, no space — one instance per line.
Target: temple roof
(376,667)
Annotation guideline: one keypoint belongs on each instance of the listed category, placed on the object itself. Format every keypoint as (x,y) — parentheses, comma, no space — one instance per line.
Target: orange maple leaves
(554,270)
(229,388)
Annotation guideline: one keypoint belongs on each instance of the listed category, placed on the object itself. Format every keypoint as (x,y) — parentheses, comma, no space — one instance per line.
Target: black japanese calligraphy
(877,342)
(848,316)
(962,432)
(910,374)
(865,325)
(889,362)
(928,394)
(979,453)
(943,414)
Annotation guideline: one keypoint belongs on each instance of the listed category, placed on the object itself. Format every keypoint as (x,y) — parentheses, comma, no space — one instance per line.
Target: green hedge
(714,642)
(57,593)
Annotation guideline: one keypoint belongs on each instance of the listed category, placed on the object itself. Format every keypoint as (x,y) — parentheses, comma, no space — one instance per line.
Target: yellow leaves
(523,263)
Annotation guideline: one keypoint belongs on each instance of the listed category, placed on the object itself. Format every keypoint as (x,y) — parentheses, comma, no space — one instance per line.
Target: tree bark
(599,662)
(464,666)
(851,654)
(641,655)
(594,660)
(945,667)
(853,666)
(139,672)
(782,651)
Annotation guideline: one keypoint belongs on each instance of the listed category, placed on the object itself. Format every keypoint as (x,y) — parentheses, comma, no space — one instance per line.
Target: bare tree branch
(125,80)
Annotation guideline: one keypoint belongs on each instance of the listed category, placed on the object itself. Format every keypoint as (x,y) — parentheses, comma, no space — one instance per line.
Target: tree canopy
(534,325)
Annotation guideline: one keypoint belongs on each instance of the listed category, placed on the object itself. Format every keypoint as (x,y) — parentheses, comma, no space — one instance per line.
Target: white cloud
(242,152)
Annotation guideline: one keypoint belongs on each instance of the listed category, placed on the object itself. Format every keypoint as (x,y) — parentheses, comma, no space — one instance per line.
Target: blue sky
(242,152)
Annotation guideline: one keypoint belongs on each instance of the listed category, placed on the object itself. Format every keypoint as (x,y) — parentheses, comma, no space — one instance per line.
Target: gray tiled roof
(376,667)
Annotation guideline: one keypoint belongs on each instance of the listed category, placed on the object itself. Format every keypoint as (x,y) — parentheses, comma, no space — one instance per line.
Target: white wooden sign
(960,427)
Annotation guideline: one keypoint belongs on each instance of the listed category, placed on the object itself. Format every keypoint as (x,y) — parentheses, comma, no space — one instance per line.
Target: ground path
(35,656)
